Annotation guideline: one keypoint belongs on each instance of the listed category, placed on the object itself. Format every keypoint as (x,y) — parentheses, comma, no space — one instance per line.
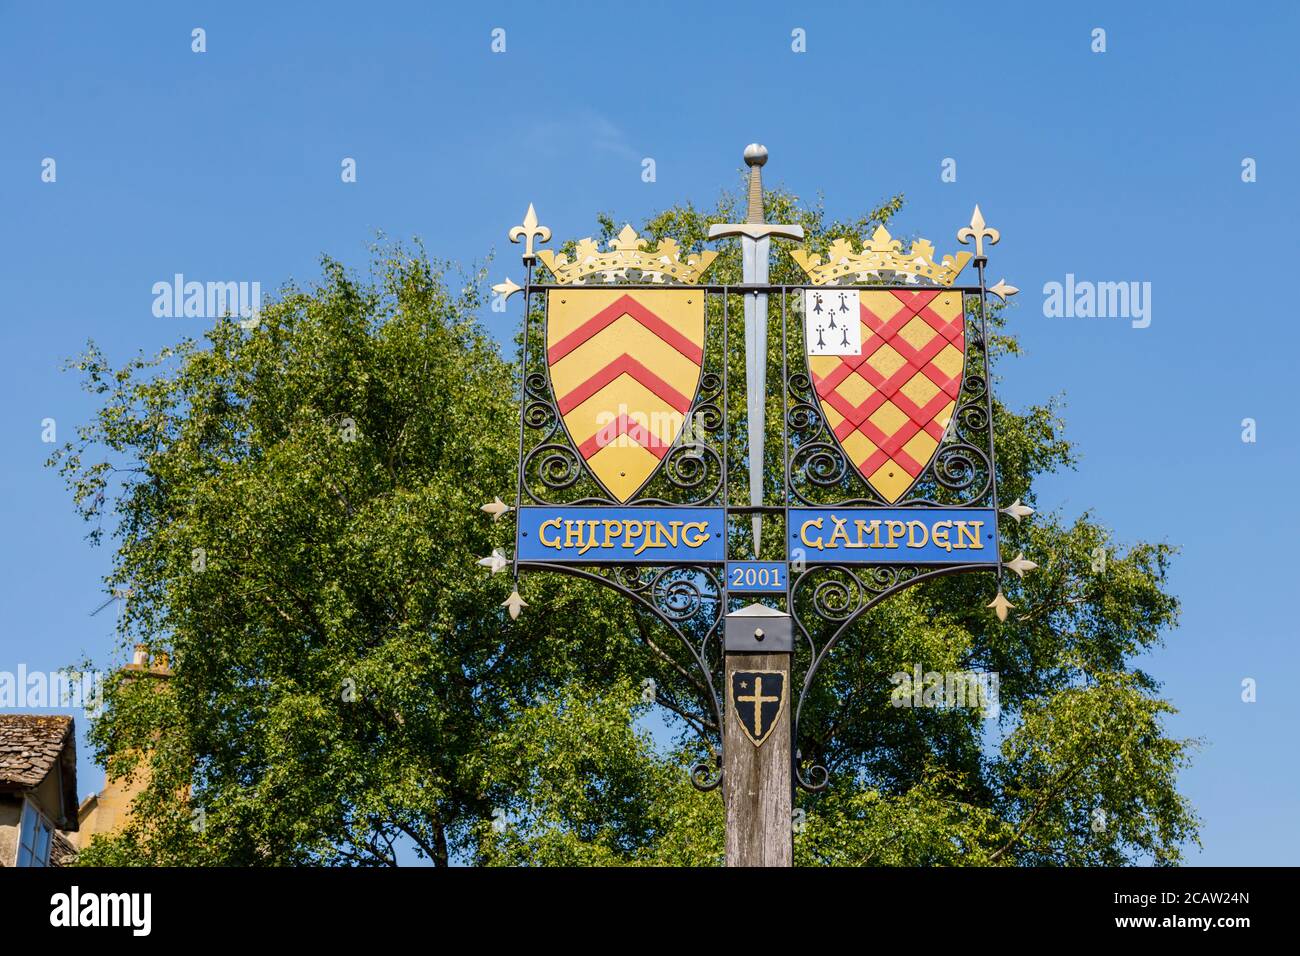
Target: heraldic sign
(760,698)
(650,464)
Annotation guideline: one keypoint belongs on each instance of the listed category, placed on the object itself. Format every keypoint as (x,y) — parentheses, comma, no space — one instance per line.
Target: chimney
(141,658)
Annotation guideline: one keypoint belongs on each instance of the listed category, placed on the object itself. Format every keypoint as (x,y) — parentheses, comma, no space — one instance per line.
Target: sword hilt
(755,157)
(755,227)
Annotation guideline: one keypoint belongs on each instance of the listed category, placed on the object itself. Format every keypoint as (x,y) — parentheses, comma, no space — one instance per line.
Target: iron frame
(696,594)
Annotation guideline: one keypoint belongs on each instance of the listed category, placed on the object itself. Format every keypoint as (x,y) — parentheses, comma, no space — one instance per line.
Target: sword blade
(754,270)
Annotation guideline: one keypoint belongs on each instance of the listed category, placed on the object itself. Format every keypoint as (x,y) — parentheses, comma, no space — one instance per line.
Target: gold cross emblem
(758,700)
(768,687)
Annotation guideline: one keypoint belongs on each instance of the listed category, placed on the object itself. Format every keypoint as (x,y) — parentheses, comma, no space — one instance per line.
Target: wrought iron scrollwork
(957,467)
(688,601)
(817,779)
(539,410)
(825,601)
(556,465)
(706,775)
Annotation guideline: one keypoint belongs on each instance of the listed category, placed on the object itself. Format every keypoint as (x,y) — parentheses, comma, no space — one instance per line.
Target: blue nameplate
(757,577)
(604,534)
(893,535)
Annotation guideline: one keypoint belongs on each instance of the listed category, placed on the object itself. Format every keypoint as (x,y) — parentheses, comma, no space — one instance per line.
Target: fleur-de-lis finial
(1019,564)
(978,231)
(496,508)
(497,561)
(1017,510)
(529,231)
(514,604)
(1000,605)
(509,287)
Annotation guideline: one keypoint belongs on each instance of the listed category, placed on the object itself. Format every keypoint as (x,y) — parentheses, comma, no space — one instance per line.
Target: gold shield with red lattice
(890,404)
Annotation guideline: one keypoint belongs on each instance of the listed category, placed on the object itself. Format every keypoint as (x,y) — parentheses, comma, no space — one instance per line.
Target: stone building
(38,789)
(109,809)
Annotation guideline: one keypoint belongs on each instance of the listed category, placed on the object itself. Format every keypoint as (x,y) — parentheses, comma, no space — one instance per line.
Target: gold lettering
(941,540)
(670,533)
(591,536)
(895,529)
(652,537)
(630,530)
(839,534)
(974,536)
(912,527)
(696,540)
(612,530)
(803,533)
(573,534)
(541,534)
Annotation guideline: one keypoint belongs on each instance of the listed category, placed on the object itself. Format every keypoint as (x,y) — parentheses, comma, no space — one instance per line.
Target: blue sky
(1116,166)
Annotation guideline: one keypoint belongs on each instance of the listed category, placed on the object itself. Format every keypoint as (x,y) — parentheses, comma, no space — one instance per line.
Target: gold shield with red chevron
(625,365)
(889,404)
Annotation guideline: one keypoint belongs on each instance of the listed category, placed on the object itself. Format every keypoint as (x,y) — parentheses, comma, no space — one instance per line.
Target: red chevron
(623,365)
(625,305)
(623,425)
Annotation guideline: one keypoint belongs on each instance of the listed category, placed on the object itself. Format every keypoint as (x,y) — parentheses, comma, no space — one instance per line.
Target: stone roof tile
(30,746)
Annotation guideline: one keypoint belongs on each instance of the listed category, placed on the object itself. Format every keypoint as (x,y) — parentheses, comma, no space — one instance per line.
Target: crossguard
(755,230)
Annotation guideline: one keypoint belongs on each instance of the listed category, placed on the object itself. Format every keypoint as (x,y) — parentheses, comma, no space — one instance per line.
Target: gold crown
(627,251)
(881,253)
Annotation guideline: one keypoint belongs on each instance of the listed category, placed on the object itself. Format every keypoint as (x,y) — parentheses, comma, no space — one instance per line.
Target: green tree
(347,682)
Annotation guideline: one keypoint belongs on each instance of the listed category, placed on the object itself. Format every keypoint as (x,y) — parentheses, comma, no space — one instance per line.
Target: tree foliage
(295,508)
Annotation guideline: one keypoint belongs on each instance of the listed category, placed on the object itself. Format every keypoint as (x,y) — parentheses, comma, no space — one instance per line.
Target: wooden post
(756,779)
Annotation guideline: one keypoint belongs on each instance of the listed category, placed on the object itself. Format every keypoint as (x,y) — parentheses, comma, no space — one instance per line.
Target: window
(35,836)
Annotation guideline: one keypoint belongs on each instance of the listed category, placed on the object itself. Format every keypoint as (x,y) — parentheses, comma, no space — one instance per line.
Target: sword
(755,240)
